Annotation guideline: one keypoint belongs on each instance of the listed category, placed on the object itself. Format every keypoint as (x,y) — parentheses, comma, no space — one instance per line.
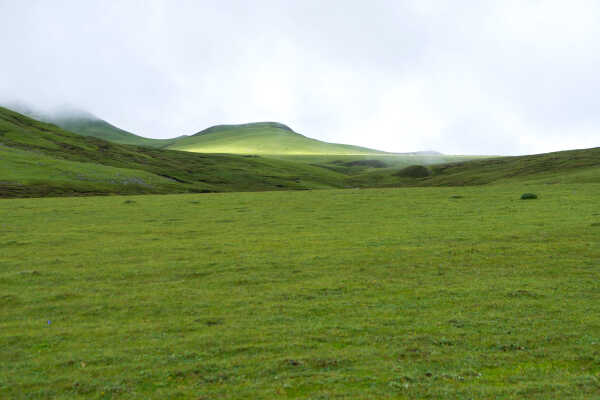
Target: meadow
(440,292)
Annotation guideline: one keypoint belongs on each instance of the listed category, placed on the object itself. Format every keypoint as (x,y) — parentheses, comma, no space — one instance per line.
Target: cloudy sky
(461,77)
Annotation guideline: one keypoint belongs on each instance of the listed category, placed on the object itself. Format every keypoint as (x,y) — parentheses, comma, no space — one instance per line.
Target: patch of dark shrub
(414,171)
(364,163)
(529,196)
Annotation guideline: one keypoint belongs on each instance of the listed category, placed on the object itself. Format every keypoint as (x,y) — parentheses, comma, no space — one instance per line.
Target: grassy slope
(26,174)
(359,164)
(87,124)
(262,138)
(563,166)
(258,138)
(171,171)
(24,142)
(358,294)
(103,130)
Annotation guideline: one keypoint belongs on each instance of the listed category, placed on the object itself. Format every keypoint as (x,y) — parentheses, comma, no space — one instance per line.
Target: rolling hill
(262,138)
(96,127)
(252,138)
(87,124)
(41,159)
(570,166)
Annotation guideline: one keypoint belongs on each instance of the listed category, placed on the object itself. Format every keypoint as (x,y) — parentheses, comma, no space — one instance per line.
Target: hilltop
(262,138)
(251,138)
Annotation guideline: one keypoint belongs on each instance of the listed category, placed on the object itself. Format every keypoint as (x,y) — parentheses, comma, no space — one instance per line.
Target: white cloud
(485,77)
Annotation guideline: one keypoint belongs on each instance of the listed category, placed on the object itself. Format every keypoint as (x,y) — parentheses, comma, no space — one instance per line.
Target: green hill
(87,124)
(41,159)
(571,166)
(93,126)
(262,138)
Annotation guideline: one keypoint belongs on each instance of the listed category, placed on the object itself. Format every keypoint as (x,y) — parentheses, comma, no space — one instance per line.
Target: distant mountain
(87,124)
(262,138)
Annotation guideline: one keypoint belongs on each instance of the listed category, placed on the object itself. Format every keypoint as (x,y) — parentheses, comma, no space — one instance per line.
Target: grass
(31,148)
(463,292)
(262,138)
(39,159)
(573,166)
(457,289)
(98,128)
(361,164)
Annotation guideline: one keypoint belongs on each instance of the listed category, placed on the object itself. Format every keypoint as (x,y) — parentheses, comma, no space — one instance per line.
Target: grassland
(454,293)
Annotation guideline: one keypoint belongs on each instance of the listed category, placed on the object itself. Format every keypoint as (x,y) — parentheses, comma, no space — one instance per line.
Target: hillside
(101,129)
(40,159)
(87,124)
(262,138)
(581,166)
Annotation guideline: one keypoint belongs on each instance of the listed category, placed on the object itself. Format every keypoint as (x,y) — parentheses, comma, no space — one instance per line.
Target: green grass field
(454,293)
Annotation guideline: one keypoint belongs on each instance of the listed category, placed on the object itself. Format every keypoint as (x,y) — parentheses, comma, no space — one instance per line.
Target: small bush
(129,202)
(528,196)
(414,171)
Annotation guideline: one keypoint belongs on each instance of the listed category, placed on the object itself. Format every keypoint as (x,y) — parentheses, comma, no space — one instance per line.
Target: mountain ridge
(248,138)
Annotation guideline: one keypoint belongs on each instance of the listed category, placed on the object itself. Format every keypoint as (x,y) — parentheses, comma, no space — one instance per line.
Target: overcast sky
(460,77)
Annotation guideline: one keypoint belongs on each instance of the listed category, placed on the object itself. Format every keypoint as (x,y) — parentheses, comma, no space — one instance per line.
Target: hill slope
(40,159)
(87,124)
(96,127)
(261,138)
(582,166)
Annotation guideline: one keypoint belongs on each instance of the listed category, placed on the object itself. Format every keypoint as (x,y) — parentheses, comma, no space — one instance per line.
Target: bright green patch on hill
(262,138)
(452,293)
